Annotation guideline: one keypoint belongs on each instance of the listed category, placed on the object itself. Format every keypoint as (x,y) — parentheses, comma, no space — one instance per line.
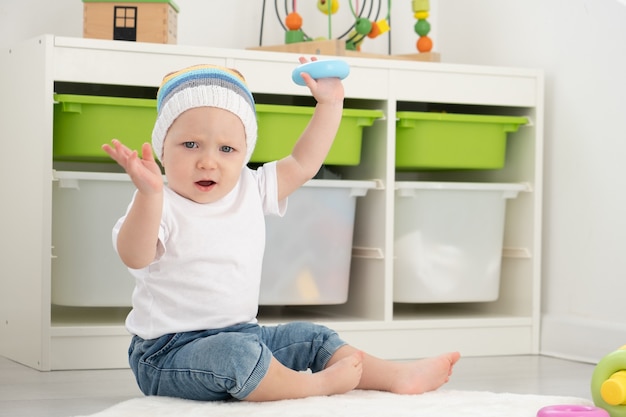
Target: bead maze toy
(421,10)
(367,21)
(608,383)
(363,26)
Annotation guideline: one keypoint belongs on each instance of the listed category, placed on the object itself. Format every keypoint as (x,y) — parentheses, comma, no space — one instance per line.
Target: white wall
(581,45)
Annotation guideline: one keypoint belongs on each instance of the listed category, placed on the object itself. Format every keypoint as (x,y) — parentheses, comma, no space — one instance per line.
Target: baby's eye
(190,145)
(227,149)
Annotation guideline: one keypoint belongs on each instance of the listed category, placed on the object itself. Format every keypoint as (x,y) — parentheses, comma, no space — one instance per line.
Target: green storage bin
(281,126)
(82,124)
(431,141)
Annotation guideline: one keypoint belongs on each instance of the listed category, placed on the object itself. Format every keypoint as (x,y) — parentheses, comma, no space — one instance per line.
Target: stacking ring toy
(608,383)
(328,68)
(565,410)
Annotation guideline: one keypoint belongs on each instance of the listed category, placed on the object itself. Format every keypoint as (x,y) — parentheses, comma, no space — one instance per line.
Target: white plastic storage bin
(307,256)
(309,250)
(448,241)
(86,271)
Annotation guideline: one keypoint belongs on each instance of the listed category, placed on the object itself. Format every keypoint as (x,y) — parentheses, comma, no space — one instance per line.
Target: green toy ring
(609,365)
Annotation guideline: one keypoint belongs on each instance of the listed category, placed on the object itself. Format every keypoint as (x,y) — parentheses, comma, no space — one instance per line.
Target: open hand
(144,172)
(324,90)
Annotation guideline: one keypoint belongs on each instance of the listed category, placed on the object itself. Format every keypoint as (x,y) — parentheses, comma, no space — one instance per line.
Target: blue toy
(321,69)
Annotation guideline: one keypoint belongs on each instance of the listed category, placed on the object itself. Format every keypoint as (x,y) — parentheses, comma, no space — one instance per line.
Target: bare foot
(424,375)
(342,376)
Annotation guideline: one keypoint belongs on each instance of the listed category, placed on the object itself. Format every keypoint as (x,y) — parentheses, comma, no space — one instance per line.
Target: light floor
(25,392)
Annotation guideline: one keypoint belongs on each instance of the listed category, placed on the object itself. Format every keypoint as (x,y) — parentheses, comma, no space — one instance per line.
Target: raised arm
(313,145)
(138,236)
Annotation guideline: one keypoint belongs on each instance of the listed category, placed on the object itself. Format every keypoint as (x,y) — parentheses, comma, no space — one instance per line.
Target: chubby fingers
(304,60)
(309,81)
(116,148)
(119,152)
(146,152)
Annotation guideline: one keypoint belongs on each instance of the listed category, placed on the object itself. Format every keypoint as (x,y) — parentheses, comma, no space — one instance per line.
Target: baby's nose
(207,160)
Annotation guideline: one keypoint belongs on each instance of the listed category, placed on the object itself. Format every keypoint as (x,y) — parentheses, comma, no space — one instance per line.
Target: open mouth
(206,183)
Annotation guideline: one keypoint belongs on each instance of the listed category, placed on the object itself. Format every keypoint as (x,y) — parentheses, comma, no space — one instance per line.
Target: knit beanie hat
(204,86)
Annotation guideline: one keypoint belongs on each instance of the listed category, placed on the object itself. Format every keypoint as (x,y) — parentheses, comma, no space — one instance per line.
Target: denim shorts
(227,363)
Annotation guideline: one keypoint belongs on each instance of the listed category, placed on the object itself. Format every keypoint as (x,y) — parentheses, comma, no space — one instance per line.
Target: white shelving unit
(47,337)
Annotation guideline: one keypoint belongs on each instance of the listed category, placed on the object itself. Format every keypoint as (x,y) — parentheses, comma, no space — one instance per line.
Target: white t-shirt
(207,271)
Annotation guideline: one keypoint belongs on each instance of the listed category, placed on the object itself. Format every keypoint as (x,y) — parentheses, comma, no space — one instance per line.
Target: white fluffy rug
(353,404)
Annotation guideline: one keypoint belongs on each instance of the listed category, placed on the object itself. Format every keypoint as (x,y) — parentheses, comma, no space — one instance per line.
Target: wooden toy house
(138,20)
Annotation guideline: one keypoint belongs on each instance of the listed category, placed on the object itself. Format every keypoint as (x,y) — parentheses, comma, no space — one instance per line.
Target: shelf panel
(453,311)
(88,316)
(499,89)
(358,85)
(332,314)
(413,342)
(137,67)
(89,349)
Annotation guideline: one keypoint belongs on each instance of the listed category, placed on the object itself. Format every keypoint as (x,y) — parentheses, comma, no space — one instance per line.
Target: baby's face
(203,153)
